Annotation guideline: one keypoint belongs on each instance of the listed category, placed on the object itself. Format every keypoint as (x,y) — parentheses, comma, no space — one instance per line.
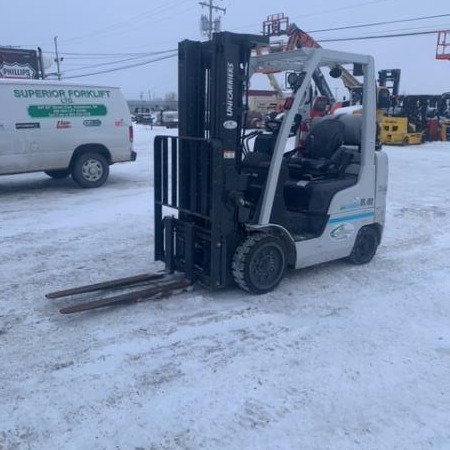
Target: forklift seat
(337,169)
(350,153)
(332,156)
(325,137)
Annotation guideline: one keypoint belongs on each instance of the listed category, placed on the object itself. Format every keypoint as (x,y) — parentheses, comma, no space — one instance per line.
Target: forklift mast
(197,174)
(390,78)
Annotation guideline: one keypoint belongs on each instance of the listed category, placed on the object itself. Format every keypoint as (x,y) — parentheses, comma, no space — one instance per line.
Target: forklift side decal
(358,203)
(230,89)
(230,124)
(342,232)
(345,228)
(369,215)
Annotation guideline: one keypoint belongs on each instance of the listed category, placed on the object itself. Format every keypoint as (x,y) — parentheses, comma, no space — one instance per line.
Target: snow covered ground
(339,357)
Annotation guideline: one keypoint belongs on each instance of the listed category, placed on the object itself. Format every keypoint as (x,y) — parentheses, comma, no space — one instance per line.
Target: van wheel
(365,246)
(57,174)
(259,263)
(90,170)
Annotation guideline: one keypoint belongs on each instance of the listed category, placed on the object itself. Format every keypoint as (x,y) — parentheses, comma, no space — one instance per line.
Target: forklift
(241,208)
(238,208)
(399,131)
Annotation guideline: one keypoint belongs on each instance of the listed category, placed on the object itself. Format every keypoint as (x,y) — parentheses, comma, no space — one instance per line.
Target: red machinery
(322,100)
(278,25)
(443,45)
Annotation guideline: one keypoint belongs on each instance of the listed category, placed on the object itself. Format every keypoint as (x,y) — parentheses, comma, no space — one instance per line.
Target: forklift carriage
(241,207)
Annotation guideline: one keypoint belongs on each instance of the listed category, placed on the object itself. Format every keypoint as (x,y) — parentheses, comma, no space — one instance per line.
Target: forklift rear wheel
(365,246)
(259,263)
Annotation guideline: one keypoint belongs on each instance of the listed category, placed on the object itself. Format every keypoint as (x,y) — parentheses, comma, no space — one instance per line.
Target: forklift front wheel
(365,246)
(259,263)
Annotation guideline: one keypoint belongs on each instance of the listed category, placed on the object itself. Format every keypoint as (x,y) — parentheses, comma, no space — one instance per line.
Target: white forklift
(241,207)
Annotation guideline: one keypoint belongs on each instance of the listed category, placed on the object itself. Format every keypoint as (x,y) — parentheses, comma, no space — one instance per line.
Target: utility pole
(57,59)
(207,24)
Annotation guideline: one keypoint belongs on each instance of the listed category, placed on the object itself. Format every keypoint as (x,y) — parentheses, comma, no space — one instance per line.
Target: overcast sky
(128,27)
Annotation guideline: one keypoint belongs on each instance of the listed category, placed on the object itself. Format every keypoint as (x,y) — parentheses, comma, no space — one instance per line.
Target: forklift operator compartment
(239,207)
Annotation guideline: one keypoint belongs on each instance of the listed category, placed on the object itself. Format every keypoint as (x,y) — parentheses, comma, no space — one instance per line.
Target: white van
(63,129)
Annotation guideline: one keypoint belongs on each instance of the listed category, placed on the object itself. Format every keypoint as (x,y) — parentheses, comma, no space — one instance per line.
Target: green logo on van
(50,111)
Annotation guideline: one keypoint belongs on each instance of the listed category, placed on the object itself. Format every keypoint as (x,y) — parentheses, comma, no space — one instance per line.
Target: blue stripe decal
(369,215)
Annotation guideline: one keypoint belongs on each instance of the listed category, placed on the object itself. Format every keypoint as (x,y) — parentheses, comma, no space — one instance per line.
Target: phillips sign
(18,63)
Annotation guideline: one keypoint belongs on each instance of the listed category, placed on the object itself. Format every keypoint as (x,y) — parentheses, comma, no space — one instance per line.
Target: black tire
(58,174)
(259,263)
(405,142)
(90,170)
(365,247)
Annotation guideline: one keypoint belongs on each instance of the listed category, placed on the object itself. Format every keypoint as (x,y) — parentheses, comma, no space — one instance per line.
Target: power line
(114,55)
(327,11)
(128,30)
(342,8)
(119,54)
(119,26)
(381,36)
(73,55)
(132,58)
(408,29)
(123,26)
(379,23)
(172,53)
(122,68)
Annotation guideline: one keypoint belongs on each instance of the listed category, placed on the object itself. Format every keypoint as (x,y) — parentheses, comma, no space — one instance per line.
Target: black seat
(347,158)
(332,159)
(324,139)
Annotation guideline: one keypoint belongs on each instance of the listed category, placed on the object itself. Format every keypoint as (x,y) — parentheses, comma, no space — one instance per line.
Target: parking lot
(338,357)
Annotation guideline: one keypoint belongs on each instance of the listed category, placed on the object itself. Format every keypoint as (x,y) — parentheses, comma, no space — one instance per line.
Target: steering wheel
(272,125)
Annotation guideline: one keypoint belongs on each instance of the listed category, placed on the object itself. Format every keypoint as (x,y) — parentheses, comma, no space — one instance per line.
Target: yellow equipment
(445,130)
(398,131)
